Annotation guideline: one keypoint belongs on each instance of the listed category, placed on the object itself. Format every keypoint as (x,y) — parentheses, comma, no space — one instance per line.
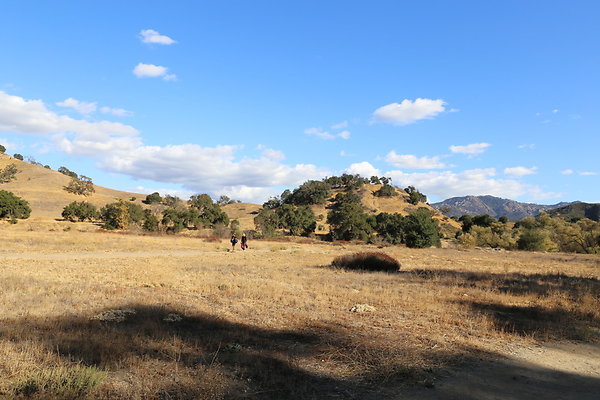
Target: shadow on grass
(162,354)
(201,356)
(564,314)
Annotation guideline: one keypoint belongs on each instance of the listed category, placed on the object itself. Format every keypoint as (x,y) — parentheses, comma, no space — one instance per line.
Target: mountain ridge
(493,206)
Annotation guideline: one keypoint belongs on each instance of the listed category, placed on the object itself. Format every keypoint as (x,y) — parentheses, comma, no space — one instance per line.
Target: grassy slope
(43,189)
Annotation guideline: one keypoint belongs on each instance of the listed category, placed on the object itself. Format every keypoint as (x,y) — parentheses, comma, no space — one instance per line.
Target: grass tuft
(63,383)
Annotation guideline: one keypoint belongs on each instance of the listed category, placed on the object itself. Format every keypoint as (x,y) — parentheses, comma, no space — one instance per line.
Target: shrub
(150,221)
(532,240)
(299,220)
(8,173)
(370,261)
(64,383)
(13,207)
(80,211)
(390,227)
(18,156)
(2,149)
(385,191)
(81,186)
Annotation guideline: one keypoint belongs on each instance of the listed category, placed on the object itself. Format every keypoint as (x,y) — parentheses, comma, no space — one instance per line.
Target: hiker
(244,244)
(233,241)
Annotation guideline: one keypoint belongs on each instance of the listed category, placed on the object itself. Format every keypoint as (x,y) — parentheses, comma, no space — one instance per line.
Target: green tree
(310,192)
(8,173)
(80,211)
(13,207)
(175,220)
(467,222)
(18,156)
(2,149)
(209,213)
(390,227)
(483,220)
(414,196)
(299,220)
(116,215)
(385,191)
(81,186)
(153,198)
(349,222)
(267,221)
(68,172)
(420,229)
(151,222)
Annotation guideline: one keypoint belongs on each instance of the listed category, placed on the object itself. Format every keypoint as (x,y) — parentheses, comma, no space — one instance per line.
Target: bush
(13,207)
(82,186)
(310,192)
(2,149)
(349,222)
(150,221)
(8,173)
(18,156)
(80,211)
(117,215)
(370,261)
(385,191)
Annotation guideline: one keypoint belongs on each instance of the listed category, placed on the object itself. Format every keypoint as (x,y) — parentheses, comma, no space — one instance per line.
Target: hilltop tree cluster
(348,220)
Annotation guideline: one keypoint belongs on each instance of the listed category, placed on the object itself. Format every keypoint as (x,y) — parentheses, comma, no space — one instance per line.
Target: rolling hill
(578,210)
(44,190)
(493,206)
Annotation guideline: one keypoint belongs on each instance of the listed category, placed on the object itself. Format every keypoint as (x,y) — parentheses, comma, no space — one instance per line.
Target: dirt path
(565,371)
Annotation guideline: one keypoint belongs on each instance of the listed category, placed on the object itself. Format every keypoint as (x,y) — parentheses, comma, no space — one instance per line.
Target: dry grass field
(97,315)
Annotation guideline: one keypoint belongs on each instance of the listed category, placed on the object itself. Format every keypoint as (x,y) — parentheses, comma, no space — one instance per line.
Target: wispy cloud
(520,171)
(470,149)
(153,71)
(413,162)
(588,173)
(567,172)
(117,112)
(529,146)
(326,135)
(408,111)
(82,107)
(152,36)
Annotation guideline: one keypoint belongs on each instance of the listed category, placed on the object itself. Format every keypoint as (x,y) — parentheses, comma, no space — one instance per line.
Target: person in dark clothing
(233,241)
(244,244)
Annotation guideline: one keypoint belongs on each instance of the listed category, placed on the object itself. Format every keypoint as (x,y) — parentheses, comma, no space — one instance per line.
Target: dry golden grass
(168,317)
(43,189)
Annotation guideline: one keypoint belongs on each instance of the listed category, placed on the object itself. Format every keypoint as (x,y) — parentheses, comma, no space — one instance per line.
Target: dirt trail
(563,371)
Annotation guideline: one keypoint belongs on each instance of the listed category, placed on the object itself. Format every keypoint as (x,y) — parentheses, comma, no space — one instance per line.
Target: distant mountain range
(493,206)
(578,210)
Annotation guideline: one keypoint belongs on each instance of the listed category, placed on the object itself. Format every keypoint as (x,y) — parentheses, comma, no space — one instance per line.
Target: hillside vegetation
(44,190)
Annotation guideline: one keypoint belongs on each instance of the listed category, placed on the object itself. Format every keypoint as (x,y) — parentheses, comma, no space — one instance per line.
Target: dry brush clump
(368,261)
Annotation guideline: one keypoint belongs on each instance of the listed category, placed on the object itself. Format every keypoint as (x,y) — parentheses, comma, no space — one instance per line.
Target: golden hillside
(44,190)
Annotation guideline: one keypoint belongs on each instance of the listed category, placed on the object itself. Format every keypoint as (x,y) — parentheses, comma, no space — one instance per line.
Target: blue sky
(249,98)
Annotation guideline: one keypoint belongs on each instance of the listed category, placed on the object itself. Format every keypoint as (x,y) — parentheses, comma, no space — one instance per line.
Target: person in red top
(244,243)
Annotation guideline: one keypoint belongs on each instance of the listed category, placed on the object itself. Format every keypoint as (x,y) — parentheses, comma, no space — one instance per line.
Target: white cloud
(446,184)
(32,117)
(82,107)
(588,173)
(119,148)
(117,112)
(470,149)
(152,36)
(526,146)
(413,162)
(341,125)
(344,135)
(408,111)
(364,169)
(520,171)
(10,146)
(325,135)
(153,71)
(555,111)
(567,172)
